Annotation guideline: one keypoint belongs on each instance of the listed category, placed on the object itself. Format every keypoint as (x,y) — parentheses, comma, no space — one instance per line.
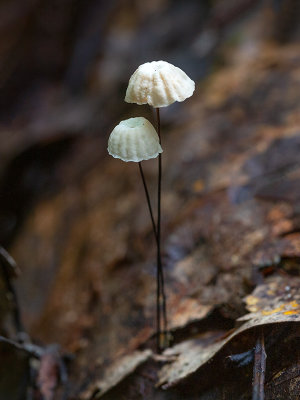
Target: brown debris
(116,373)
(191,355)
(278,299)
(230,211)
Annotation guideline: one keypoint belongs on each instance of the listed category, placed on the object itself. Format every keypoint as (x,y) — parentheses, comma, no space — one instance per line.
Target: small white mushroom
(134,139)
(159,84)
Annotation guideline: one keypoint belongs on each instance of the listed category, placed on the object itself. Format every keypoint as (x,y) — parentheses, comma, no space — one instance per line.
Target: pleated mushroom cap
(159,84)
(134,139)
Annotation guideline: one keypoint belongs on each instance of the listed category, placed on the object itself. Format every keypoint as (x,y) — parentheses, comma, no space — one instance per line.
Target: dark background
(75,219)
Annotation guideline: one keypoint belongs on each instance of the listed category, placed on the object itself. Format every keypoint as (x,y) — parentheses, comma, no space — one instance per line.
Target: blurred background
(74,219)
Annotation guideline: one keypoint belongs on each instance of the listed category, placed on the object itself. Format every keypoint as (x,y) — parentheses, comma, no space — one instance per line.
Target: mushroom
(159,84)
(134,139)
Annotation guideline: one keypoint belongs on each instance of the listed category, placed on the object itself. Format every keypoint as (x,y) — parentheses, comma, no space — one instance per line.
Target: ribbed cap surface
(134,139)
(159,84)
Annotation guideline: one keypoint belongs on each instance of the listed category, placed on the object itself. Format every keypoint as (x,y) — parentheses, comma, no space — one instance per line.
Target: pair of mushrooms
(158,84)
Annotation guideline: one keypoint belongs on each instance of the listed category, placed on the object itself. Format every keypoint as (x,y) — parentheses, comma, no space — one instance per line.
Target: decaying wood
(259,368)
(230,230)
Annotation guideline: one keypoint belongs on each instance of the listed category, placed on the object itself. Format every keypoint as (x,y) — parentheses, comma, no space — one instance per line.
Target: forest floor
(231,247)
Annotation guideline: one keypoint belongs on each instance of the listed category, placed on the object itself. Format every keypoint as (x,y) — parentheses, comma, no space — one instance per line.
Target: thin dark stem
(159,260)
(158,288)
(161,303)
(259,368)
(148,200)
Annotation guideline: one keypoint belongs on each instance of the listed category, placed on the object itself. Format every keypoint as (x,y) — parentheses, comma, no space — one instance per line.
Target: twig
(259,368)
(44,354)
(32,349)
(241,359)
(8,264)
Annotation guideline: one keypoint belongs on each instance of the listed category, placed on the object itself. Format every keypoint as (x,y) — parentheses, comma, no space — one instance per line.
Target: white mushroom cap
(134,139)
(159,84)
